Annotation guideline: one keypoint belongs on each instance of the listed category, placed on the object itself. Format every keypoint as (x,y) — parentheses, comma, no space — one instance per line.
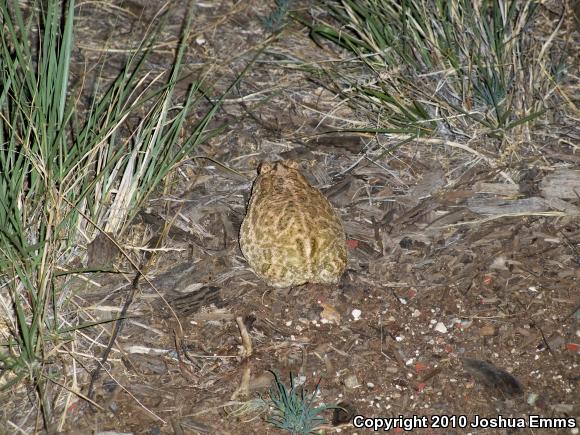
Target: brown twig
(116,330)
(246,339)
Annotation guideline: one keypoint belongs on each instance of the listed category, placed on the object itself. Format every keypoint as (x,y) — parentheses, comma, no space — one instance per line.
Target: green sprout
(294,409)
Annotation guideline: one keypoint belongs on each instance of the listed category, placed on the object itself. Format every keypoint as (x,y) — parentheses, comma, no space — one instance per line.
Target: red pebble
(352,244)
(420,367)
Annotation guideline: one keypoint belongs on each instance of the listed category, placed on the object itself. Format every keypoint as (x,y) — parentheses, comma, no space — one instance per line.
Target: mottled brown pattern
(291,235)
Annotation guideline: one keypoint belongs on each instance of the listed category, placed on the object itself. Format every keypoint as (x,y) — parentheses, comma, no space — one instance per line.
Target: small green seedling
(294,409)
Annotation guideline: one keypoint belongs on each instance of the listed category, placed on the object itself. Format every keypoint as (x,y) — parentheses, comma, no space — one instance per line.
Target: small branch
(116,330)
(246,339)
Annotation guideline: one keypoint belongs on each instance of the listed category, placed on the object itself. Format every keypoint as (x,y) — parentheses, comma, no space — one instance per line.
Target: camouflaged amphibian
(291,234)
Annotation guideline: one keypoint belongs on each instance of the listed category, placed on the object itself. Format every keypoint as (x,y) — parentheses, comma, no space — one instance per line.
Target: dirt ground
(442,270)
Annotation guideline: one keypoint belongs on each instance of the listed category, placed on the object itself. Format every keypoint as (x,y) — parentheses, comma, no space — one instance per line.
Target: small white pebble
(351,382)
(532,398)
(370,385)
(416,313)
(299,380)
(289,323)
(200,40)
(466,323)
(356,313)
(440,327)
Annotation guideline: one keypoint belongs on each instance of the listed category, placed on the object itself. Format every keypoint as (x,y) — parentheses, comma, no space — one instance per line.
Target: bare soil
(434,280)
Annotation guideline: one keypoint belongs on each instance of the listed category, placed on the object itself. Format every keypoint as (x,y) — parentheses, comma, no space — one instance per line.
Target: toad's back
(291,234)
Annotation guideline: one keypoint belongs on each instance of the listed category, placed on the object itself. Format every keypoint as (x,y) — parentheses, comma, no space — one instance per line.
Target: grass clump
(456,68)
(277,19)
(294,409)
(67,173)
